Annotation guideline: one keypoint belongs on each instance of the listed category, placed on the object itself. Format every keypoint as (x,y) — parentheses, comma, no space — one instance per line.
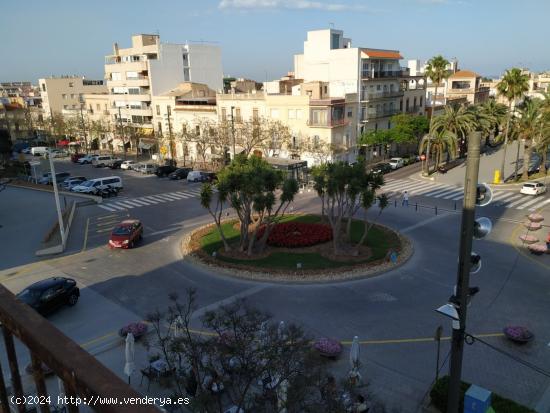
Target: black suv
(50,294)
(180,173)
(381,168)
(165,170)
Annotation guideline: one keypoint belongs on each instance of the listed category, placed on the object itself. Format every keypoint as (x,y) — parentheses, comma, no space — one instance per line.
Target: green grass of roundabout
(380,240)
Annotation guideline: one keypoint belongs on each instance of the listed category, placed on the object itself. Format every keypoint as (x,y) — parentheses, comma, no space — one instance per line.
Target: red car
(126,234)
(76,156)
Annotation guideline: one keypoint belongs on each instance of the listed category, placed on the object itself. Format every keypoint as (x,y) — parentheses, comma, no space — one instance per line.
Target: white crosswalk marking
(513,200)
(183,194)
(124,204)
(118,208)
(107,208)
(540,205)
(135,202)
(531,202)
(499,196)
(437,191)
(145,201)
(447,192)
(155,198)
(457,192)
(175,195)
(520,201)
(167,197)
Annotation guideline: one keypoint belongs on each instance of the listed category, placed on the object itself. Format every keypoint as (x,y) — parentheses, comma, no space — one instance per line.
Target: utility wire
(470,339)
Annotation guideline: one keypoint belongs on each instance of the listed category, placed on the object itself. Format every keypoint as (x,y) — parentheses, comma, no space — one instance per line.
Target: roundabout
(299,249)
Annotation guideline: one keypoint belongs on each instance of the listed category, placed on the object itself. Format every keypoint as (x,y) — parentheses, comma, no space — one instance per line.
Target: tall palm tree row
(528,128)
(439,141)
(543,146)
(513,86)
(436,71)
(495,114)
(459,120)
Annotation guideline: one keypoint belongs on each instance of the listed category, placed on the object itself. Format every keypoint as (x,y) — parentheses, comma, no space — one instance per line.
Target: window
(318,117)
(63,96)
(255,116)
(414,102)
(201,93)
(274,113)
(224,114)
(299,114)
(389,124)
(116,76)
(158,110)
(326,90)
(132,75)
(350,113)
(185,59)
(65,106)
(43,87)
(407,104)
(120,90)
(292,113)
(133,90)
(335,41)
(90,108)
(169,110)
(97,106)
(72,95)
(70,84)
(198,130)
(421,101)
(159,127)
(401,105)
(73,106)
(238,114)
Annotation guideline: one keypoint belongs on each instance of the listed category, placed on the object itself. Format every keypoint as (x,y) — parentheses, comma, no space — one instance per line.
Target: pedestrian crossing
(506,199)
(123,204)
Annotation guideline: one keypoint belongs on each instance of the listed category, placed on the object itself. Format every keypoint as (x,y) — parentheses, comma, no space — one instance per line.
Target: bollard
(416,207)
(436,210)
(395,202)
(455,205)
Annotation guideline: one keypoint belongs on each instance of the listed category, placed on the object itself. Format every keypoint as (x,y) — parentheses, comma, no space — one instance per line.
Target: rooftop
(381,53)
(462,74)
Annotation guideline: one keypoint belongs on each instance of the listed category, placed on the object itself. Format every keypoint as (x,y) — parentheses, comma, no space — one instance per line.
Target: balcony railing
(327,123)
(368,74)
(83,376)
(381,95)
(369,115)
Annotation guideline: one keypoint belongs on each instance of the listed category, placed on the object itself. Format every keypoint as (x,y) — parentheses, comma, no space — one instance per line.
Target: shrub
(328,347)
(439,394)
(137,329)
(297,234)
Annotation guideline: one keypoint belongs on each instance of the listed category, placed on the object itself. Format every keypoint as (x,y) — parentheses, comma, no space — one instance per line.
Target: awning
(146,144)
(63,142)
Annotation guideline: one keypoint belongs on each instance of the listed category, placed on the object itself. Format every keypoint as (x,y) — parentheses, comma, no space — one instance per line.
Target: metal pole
(463,276)
(57,203)
(170,137)
(517,162)
(121,132)
(83,129)
(233,130)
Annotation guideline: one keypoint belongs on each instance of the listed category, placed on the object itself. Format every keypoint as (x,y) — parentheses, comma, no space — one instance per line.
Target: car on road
(396,163)
(128,165)
(381,168)
(165,170)
(56,153)
(50,294)
(95,186)
(147,168)
(197,176)
(39,150)
(46,179)
(116,164)
(86,159)
(126,234)
(72,181)
(76,156)
(102,160)
(533,188)
(180,173)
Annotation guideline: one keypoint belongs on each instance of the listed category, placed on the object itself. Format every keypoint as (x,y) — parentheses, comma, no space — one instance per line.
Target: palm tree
(513,86)
(440,141)
(495,113)
(543,145)
(529,129)
(436,71)
(457,119)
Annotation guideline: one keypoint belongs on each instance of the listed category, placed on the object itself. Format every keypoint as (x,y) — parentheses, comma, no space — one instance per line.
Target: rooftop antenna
(331,25)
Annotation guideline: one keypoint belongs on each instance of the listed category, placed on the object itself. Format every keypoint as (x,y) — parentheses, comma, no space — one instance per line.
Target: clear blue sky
(259,37)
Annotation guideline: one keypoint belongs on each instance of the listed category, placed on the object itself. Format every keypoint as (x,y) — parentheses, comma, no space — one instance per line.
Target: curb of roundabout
(303,276)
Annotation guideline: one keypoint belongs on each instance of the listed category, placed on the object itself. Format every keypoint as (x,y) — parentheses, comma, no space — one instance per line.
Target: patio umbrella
(282,392)
(354,359)
(281,330)
(178,327)
(129,353)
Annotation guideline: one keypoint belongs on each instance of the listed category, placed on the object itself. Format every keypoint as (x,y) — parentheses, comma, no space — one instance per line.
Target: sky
(258,38)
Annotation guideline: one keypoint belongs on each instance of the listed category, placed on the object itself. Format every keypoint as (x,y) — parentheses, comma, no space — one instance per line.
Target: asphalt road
(393,314)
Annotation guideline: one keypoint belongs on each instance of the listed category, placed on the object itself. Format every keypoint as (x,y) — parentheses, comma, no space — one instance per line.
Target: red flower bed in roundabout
(297,234)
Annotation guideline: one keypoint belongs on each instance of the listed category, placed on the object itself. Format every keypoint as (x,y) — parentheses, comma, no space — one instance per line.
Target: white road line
(119,208)
(164,231)
(457,193)
(432,188)
(397,184)
(124,204)
(437,191)
(513,198)
(447,192)
(423,187)
(539,205)
(155,198)
(531,202)
(499,196)
(246,293)
(519,201)
(107,208)
(168,197)
(183,194)
(422,223)
(457,198)
(194,191)
(133,202)
(415,187)
(145,201)
(173,194)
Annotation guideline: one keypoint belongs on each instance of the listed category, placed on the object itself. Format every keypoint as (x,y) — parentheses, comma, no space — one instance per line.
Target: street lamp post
(56,196)
(233,130)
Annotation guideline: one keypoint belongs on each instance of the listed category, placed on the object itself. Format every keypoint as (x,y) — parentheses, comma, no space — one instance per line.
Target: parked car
(101,161)
(116,164)
(72,181)
(95,186)
(180,173)
(76,156)
(147,168)
(128,164)
(381,168)
(39,150)
(396,163)
(56,153)
(86,159)
(126,234)
(50,294)
(533,188)
(165,170)
(46,179)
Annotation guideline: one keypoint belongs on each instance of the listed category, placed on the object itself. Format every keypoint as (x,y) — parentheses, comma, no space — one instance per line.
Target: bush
(137,329)
(297,234)
(328,347)
(439,394)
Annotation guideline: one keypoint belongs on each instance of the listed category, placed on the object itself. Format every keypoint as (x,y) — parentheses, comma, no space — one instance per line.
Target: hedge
(500,404)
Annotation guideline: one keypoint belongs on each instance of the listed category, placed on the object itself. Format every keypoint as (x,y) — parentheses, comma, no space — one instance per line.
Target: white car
(148,168)
(396,163)
(127,165)
(86,159)
(533,188)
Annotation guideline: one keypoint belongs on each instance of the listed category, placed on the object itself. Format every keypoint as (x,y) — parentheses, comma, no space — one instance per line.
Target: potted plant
(138,329)
(328,347)
(518,334)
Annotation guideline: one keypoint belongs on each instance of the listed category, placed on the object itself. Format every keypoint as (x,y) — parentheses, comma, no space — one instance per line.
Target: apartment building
(465,84)
(186,106)
(150,68)
(65,93)
(374,75)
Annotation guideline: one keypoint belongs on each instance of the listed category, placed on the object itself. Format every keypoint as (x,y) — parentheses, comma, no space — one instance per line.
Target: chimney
(115,49)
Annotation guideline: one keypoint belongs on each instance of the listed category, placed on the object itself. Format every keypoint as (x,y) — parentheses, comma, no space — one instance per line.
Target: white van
(102,160)
(94,185)
(39,150)
(396,163)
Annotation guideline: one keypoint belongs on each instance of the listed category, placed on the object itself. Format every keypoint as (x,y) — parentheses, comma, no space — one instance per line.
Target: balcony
(126,97)
(382,95)
(368,74)
(371,115)
(83,376)
(138,66)
(132,110)
(331,123)
(132,82)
